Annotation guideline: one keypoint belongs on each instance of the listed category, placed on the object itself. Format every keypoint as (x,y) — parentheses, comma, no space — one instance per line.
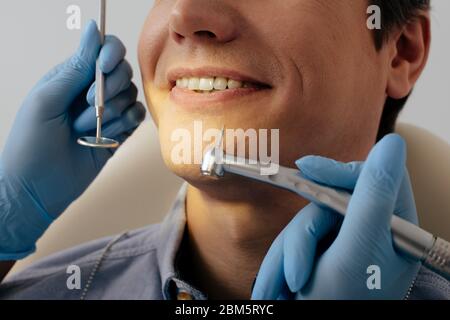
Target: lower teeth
(214,90)
(202,91)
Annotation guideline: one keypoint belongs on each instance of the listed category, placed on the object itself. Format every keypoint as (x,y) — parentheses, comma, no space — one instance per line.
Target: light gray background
(34,37)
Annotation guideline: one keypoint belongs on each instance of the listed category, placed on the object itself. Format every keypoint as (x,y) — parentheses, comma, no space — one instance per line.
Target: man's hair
(394,14)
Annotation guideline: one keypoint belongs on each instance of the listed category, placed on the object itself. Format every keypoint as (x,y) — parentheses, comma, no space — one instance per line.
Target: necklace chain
(98,263)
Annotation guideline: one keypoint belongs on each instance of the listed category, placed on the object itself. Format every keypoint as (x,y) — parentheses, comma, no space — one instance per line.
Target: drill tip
(219,140)
(212,159)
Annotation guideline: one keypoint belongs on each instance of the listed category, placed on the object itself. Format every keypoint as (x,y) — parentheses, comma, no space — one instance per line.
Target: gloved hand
(42,168)
(293,268)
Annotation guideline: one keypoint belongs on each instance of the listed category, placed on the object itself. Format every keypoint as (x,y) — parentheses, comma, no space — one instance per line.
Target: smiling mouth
(208,85)
(212,80)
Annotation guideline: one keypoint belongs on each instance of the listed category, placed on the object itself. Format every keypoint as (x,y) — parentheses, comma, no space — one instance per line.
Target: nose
(202,20)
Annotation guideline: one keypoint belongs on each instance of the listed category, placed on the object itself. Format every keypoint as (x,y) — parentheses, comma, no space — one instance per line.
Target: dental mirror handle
(99,141)
(410,239)
(99,76)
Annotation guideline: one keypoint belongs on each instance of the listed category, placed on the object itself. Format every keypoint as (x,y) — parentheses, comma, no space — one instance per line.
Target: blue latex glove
(294,269)
(42,168)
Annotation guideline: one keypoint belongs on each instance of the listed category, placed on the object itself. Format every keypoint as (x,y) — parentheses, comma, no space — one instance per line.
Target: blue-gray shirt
(140,265)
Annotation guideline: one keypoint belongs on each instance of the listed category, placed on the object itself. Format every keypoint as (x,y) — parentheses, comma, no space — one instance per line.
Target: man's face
(311,70)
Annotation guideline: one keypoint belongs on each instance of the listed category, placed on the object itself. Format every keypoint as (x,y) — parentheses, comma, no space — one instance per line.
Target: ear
(409,54)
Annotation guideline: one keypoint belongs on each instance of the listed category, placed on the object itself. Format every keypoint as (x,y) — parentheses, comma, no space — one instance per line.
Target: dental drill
(408,238)
(98,141)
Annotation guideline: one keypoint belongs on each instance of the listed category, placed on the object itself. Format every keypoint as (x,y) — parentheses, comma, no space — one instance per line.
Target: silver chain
(408,294)
(98,264)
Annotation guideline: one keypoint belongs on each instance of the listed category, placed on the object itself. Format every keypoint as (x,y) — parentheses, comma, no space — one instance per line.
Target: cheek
(154,99)
(151,44)
(152,39)
(332,97)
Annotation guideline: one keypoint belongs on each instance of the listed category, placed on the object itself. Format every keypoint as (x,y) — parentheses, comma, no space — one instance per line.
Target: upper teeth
(209,84)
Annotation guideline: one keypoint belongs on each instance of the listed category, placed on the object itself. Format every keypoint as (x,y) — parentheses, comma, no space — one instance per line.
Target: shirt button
(183,295)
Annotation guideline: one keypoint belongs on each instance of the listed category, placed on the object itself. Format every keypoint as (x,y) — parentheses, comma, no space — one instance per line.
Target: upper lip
(209,72)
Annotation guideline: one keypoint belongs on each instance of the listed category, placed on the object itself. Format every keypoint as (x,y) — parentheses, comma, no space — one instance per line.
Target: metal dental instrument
(98,141)
(408,238)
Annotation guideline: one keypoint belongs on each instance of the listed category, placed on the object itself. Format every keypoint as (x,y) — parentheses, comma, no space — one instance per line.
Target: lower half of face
(302,78)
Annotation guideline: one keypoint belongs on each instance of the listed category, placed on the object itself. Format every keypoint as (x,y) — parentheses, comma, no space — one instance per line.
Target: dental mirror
(98,141)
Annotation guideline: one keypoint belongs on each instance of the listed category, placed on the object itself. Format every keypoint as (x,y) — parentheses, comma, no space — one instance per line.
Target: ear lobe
(410,53)
(398,85)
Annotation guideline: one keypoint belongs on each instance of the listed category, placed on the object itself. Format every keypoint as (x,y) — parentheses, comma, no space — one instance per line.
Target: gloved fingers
(373,202)
(131,118)
(405,206)
(115,82)
(81,66)
(121,138)
(90,45)
(113,109)
(57,90)
(301,237)
(111,54)
(50,75)
(89,40)
(345,175)
(330,172)
(270,280)
(285,293)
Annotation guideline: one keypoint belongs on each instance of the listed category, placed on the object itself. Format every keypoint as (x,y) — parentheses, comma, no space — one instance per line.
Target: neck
(228,235)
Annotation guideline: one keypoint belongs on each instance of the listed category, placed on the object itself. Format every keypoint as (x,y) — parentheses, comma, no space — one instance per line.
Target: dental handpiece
(408,238)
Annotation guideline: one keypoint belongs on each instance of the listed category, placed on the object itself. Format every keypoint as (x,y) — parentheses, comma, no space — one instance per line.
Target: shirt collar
(171,234)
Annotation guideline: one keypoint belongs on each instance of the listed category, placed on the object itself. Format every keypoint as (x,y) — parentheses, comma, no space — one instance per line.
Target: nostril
(205,34)
(177,37)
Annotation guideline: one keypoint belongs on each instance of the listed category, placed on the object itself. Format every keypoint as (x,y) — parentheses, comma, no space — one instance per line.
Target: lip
(189,98)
